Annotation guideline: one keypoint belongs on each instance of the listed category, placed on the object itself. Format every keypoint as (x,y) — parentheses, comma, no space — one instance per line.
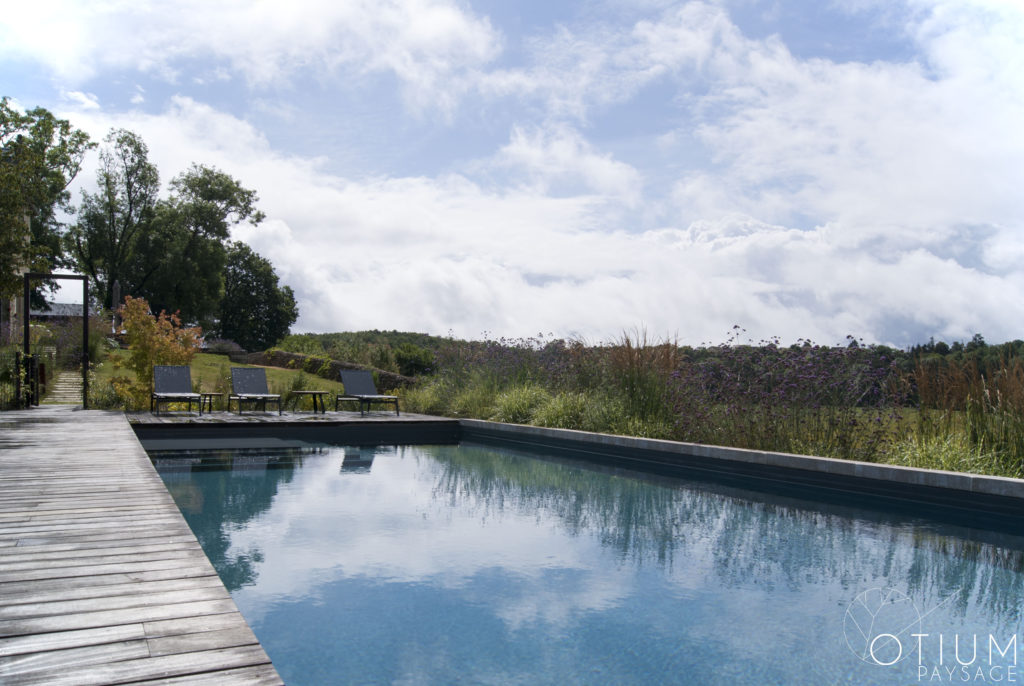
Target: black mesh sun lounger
(172,384)
(249,385)
(359,387)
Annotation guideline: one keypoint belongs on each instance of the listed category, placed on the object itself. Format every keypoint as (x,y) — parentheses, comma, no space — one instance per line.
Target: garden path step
(67,389)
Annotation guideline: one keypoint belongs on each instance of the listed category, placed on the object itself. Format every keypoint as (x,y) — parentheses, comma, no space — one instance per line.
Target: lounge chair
(250,386)
(359,386)
(173,384)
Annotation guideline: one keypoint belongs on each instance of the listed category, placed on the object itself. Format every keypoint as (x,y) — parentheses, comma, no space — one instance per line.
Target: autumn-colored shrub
(152,340)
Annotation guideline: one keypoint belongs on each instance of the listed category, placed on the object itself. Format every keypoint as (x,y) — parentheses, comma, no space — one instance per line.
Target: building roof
(59,310)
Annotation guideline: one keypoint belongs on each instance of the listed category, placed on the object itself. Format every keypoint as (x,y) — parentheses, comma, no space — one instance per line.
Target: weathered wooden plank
(118,602)
(10,591)
(112,508)
(71,658)
(189,625)
(72,527)
(94,570)
(146,668)
(111,539)
(59,640)
(40,553)
(260,675)
(88,620)
(128,516)
(205,640)
(34,593)
(11,566)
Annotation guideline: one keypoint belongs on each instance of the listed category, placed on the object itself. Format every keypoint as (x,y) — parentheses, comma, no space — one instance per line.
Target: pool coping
(975,483)
(988,494)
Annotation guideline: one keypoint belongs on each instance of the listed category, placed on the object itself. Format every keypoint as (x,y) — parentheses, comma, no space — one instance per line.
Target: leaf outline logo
(879,625)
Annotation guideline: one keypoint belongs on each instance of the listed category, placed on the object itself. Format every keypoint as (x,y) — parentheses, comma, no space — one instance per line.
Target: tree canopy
(256,312)
(39,157)
(179,262)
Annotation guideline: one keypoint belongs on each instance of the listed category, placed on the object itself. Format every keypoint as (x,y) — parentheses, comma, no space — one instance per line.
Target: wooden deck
(101,580)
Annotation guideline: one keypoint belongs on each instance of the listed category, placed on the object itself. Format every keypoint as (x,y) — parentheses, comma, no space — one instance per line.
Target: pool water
(481,565)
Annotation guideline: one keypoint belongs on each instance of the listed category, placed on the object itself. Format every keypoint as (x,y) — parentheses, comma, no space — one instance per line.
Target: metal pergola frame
(85,323)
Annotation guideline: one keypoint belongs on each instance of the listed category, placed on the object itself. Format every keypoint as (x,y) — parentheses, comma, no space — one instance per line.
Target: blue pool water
(478,565)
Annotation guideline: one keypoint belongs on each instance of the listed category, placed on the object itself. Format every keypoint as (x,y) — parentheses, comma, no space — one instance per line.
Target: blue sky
(803,169)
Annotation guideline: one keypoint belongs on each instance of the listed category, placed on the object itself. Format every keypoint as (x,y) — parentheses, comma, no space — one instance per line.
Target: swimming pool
(480,564)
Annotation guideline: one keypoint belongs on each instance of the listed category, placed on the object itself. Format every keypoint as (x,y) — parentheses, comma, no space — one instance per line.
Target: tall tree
(111,221)
(39,157)
(256,312)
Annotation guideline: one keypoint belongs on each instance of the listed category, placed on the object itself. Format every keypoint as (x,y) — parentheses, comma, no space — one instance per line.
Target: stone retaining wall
(325,368)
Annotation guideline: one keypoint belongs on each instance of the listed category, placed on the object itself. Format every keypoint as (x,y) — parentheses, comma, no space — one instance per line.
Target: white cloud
(878,147)
(575,72)
(563,159)
(429,45)
(85,101)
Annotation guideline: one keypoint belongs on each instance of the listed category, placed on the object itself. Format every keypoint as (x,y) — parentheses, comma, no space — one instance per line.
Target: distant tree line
(175,251)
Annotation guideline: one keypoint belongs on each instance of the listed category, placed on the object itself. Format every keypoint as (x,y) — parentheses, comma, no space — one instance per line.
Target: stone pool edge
(999,495)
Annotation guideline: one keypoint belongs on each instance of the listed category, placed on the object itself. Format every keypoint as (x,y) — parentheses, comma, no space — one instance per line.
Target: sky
(804,169)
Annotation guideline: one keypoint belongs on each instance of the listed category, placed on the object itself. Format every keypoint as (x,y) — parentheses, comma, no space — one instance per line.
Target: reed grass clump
(984,406)
(565,410)
(519,404)
(429,397)
(952,452)
(475,401)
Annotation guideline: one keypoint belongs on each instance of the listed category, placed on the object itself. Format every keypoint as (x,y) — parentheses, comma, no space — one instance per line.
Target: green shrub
(429,398)
(382,357)
(565,411)
(298,382)
(641,427)
(222,385)
(517,405)
(103,396)
(222,346)
(413,360)
(953,452)
(475,401)
(312,363)
(308,344)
